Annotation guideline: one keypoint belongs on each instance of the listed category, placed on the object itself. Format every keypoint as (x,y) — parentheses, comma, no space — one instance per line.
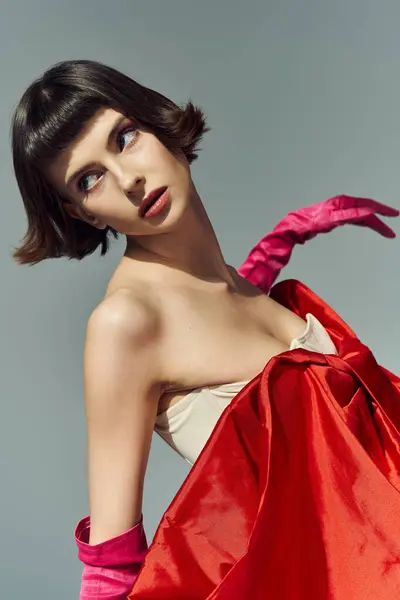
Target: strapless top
(187,425)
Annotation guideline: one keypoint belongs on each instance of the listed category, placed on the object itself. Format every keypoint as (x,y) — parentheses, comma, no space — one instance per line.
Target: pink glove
(272,253)
(110,568)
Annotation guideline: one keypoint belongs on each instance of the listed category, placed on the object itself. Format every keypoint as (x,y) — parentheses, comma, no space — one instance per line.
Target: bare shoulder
(125,314)
(122,356)
(123,343)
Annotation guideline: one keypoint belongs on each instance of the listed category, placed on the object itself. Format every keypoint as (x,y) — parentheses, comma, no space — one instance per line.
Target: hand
(342,210)
(273,252)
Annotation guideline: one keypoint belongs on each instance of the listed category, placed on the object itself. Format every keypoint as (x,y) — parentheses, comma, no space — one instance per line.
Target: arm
(121,394)
(273,252)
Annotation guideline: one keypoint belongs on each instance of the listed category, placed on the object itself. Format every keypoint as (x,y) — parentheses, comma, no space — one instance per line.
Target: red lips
(150,199)
(148,205)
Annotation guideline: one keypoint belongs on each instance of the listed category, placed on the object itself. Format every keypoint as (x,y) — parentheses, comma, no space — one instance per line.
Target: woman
(178,336)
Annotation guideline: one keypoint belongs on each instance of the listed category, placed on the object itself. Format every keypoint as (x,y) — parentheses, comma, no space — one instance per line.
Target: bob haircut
(50,115)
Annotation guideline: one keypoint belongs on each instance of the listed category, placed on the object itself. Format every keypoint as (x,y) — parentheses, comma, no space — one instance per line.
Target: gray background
(303,97)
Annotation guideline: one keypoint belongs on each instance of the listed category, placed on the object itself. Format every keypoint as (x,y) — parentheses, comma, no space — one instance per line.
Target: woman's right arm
(122,389)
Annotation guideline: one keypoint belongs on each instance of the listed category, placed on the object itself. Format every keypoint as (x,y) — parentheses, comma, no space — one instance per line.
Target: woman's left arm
(273,252)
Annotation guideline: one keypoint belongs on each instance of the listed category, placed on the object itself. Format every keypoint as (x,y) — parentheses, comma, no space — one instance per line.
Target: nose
(130,183)
(129,180)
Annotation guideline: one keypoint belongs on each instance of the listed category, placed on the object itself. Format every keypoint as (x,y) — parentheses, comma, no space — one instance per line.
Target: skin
(175,316)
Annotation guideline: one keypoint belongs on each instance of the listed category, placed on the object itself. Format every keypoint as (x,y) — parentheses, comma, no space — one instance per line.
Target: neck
(191,247)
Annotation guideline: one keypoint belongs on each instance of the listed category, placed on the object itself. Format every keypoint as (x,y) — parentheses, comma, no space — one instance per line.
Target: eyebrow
(88,166)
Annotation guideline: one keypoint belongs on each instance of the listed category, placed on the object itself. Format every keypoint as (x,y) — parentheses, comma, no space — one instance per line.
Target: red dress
(296,495)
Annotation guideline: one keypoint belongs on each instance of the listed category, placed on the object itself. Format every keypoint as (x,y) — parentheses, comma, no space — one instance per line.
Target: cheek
(106,201)
(162,158)
(179,166)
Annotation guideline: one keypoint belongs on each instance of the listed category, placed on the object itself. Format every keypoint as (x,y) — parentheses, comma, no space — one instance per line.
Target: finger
(383,209)
(372,222)
(353,203)
(352,215)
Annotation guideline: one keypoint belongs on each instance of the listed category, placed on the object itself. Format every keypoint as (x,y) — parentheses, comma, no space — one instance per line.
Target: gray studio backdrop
(304,101)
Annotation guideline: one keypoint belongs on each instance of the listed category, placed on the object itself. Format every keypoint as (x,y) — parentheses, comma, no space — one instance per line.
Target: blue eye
(87,182)
(126,137)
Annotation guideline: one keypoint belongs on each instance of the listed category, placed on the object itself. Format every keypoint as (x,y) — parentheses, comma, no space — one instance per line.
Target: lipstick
(154,203)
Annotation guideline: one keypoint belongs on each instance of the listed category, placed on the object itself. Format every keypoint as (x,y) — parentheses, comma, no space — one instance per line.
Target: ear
(77,212)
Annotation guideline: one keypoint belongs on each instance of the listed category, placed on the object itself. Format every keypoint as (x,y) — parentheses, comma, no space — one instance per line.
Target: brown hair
(51,113)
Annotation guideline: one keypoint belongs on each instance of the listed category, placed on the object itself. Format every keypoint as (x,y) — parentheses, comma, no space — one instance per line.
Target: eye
(127,137)
(87,182)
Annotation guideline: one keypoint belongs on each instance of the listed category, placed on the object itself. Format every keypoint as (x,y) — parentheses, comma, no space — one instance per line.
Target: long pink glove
(272,253)
(110,568)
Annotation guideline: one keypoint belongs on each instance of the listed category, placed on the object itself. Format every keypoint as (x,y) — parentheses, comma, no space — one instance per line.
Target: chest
(210,339)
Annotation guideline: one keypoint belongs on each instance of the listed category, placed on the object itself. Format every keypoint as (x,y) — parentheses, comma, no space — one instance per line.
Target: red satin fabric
(296,494)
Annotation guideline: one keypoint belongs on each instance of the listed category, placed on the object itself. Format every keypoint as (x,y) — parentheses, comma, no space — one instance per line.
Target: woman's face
(115,174)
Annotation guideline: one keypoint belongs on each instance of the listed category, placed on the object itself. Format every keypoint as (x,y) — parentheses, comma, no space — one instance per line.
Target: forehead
(82,149)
